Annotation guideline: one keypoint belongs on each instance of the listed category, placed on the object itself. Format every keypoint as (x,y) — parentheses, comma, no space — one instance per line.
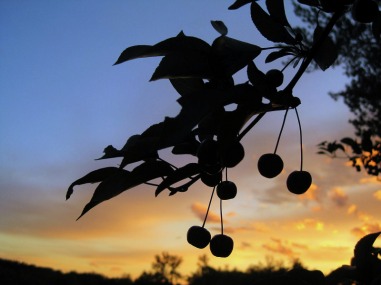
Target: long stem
(301,140)
(222,223)
(281,130)
(207,211)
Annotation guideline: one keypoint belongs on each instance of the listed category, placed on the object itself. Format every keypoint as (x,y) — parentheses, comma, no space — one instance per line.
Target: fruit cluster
(213,160)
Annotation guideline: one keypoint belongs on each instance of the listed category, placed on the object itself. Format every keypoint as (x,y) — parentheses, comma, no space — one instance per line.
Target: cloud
(200,210)
(365,229)
(362,216)
(338,197)
(279,246)
(309,224)
(377,195)
(313,194)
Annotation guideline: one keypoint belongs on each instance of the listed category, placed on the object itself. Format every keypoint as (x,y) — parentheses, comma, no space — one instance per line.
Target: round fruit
(211,180)
(233,154)
(207,152)
(198,236)
(226,190)
(275,77)
(221,245)
(298,182)
(270,165)
(364,11)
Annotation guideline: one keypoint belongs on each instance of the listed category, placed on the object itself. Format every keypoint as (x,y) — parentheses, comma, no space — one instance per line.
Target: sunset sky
(62,102)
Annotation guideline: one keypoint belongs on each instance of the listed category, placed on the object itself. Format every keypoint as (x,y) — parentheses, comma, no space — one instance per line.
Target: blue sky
(62,102)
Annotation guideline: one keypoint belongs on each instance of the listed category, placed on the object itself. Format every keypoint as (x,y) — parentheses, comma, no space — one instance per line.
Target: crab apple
(298,182)
(226,190)
(211,180)
(275,77)
(233,154)
(221,245)
(270,165)
(198,236)
(365,11)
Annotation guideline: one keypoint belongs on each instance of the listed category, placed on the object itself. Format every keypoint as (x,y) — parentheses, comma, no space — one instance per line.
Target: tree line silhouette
(165,271)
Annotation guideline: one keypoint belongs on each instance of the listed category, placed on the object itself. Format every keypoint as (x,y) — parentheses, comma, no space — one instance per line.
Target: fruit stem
(281,130)
(210,202)
(251,125)
(301,140)
(222,223)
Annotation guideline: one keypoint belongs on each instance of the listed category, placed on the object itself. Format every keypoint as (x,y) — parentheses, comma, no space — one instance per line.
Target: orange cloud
(310,224)
(365,229)
(200,210)
(313,194)
(377,195)
(338,197)
(353,209)
(278,246)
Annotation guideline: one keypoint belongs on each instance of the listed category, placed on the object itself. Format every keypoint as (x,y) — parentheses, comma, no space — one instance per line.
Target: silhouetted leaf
(232,55)
(179,174)
(314,3)
(255,76)
(110,152)
(184,187)
(184,64)
(268,27)
(327,53)
(239,3)
(92,177)
(353,144)
(180,43)
(123,180)
(220,27)
(277,54)
(366,142)
(133,52)
(277,12)
(108,188)
(187,86)
(188,147)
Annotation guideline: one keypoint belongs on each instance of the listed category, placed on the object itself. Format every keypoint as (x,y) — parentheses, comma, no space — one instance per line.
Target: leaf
(92,177)
(366,142)
(123,180)
(353,144)
(180,43)
(187,86)
(313,3)
(187,147)
(134,52)
(184,64)
(232,55)
(184,187)
(239,3)
(327,53)
(277,11)
(268,27)
(179,174)
(220,27)
(108,188)
(277,54)
(365,245)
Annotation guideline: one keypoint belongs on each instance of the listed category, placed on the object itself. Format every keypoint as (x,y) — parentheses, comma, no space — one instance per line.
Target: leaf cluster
(364,154)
